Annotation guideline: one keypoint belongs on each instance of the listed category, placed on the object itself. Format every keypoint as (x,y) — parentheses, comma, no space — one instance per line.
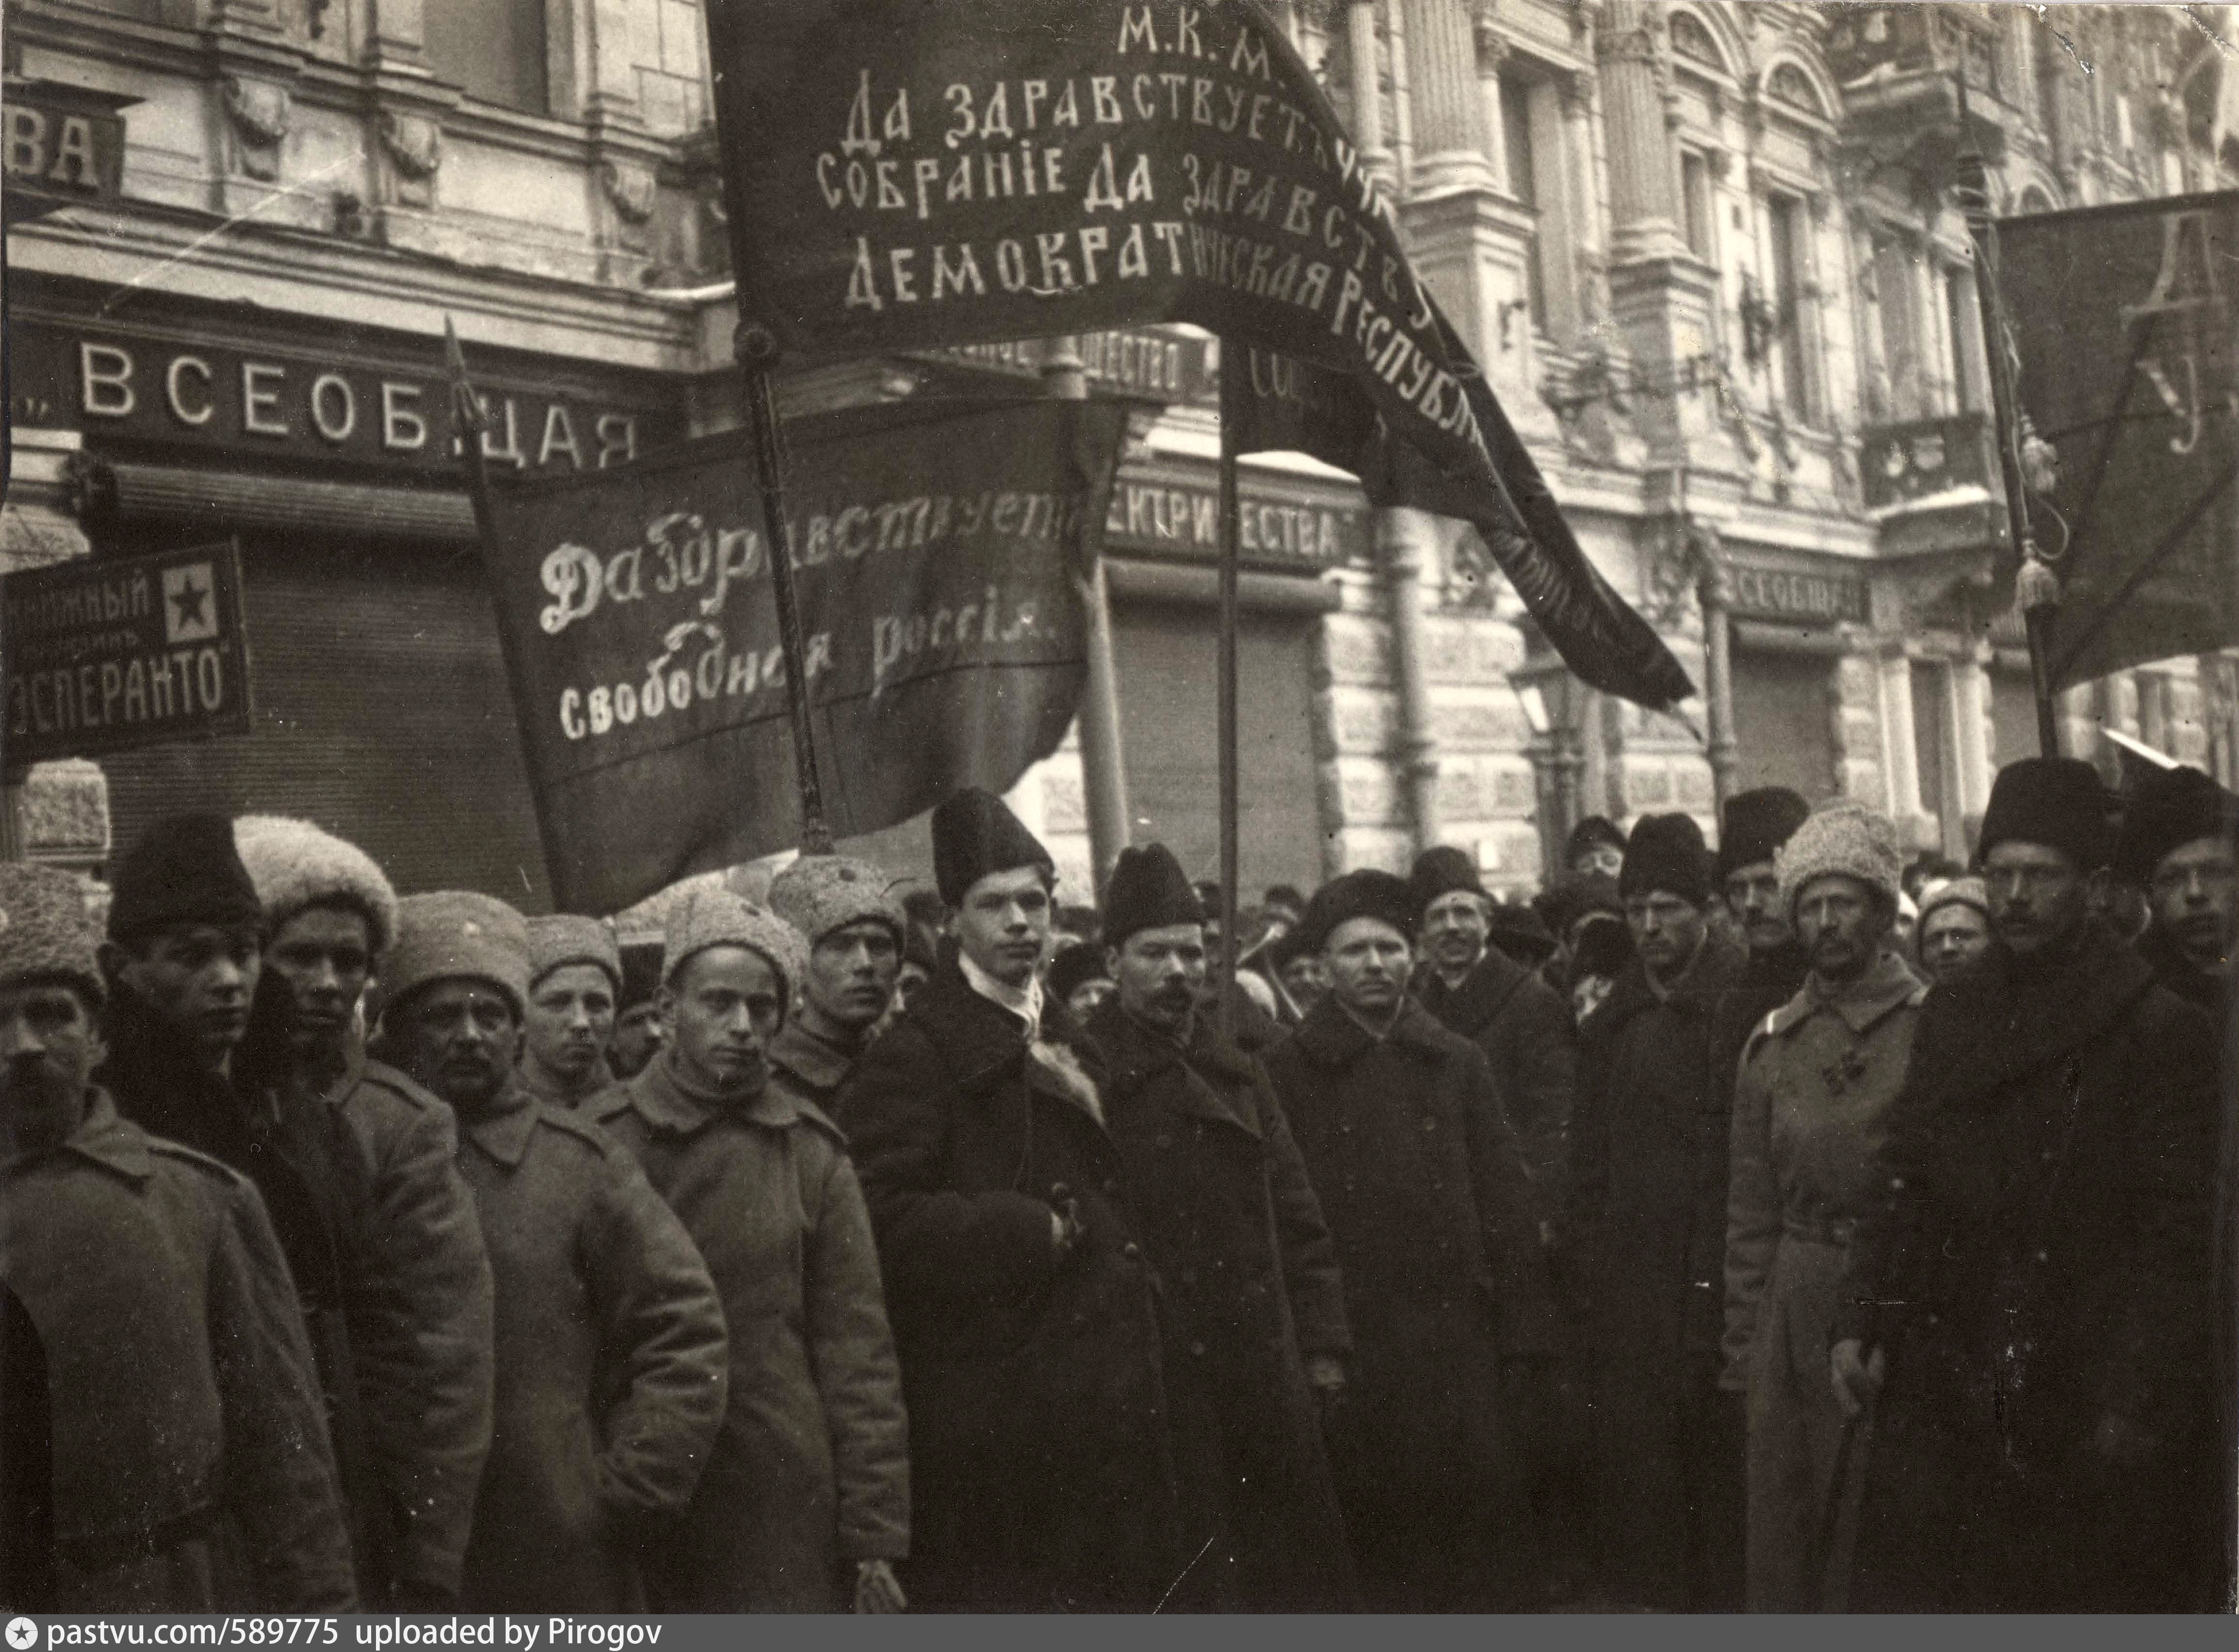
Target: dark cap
(1149,890)
(2055,801)
(183,870)
(2171,807)
(1666,853)
(1754,827)
(1440,870)
(975,834)
(1366,893)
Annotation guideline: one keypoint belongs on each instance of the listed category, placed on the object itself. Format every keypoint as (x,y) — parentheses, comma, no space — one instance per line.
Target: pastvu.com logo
(22,1635)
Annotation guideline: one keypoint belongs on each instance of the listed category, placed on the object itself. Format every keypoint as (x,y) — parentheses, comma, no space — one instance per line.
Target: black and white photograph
(1116,807)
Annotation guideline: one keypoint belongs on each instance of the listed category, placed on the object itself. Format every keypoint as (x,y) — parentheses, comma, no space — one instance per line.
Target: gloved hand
(877,1589)
(1857,1378)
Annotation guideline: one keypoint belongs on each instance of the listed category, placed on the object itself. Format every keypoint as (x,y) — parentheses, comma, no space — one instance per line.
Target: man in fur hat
(1401,1127)
(1817,1081)
(190,1469)
(2030,1277)
(574,980)
(805,1505)
(1595,844)
(848,913)
(413,1276)
(637,1034)
(2180,843)
(1646,1237)
(1023,1305)
(183,960)
(1478,991)
(609,1349)
(1253,1310)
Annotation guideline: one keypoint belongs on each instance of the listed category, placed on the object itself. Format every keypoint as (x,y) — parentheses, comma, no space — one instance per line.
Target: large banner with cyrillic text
(940,552)
(910,174)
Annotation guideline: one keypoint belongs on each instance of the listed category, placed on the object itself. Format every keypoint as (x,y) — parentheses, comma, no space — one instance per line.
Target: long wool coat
(2036,1259)
(1042,1469)
(387,1257)
(1525,1028)
(1810,1108)
(192,1471)
(1418,1173)
(611,1365)
(1249,1286)
(1645,1241)
(812,1468)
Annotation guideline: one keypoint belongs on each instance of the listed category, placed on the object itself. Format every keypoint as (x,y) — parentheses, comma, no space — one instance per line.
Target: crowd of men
(1785,1227)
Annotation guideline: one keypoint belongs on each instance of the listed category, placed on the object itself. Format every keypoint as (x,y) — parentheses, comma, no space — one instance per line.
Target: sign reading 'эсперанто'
(112,654)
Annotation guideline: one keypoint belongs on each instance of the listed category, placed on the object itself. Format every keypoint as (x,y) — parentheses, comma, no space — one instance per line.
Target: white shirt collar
(1024,1002)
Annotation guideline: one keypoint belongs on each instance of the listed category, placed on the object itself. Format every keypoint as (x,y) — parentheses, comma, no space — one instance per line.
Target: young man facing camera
(854,926)
(574,977)
(1400,1125)
(804,1506)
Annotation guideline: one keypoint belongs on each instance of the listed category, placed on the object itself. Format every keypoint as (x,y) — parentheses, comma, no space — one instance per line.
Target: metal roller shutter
(383,713)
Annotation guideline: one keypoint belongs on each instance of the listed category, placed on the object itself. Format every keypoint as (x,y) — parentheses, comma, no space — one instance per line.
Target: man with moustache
(848,913)
(1815,1089)
(188,1469)
(1253,1309)
(412,1273)
(1645,1240)
(1024,1308)
(805,1506)
(609,1337)
(1400,1125)
(575,978)
(2028,1287)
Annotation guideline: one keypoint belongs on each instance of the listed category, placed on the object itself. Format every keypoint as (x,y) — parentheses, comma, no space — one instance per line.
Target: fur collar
(1213,1067)
(1472,1006)
(1333,1038)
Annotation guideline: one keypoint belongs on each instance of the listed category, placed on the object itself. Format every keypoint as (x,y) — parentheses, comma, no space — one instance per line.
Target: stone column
(1367,90)
(1900,749)
(1449,118)
(1644,191)
(1492,54)
(1976,730)
(1405,536)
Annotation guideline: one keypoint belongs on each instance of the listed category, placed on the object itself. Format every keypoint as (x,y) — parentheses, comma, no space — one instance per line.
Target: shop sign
(60,146)
(1174,518)
(260,402)
(113,654)
(1798,598)
(1136,361)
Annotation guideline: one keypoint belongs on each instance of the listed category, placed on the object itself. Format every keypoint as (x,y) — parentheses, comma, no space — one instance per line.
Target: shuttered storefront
(1168,658)
(383,713)
(1784,734)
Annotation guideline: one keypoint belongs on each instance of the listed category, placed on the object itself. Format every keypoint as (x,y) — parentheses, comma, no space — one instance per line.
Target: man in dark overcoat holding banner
(1420,1175)
(1021,1300)
(2032,1279)
(1252,1306)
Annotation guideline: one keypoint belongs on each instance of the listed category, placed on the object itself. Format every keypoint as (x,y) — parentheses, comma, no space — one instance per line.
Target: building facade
(1708,252)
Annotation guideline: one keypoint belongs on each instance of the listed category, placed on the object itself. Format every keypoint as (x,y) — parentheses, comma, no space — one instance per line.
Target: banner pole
(1974,186)
(1232,390)
(757,352)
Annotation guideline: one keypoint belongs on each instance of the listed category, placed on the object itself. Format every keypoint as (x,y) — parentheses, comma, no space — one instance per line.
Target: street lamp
(1554,704)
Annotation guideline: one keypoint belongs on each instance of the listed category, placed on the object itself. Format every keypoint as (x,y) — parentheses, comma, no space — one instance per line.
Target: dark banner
(2122,318)
(113,653)
(940,551)
(908,174)
(1290,405)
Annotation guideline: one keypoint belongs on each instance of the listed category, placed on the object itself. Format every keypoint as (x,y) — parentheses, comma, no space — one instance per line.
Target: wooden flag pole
(757,354)
(2035,592)
(1232,389)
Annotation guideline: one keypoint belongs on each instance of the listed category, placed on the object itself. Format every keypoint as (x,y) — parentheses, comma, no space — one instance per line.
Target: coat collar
(1717,967)
(105,1137)
(1471,1007)
(812,1062)
(977,1038)
(1885,988)
(1335,1039)
(1213,1068)
(656,1096)
(504,1131)
(1996,1022)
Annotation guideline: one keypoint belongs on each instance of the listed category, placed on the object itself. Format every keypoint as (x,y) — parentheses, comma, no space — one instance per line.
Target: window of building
(1968,376)
(494,49)
(1695,204)
(1524,181)
(1788,223)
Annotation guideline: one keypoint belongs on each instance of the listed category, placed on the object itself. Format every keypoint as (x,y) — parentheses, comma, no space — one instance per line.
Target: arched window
(1790,85)
(1691,41)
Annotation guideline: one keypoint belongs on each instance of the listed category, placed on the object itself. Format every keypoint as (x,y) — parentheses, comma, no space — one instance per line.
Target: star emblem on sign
(189,603)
